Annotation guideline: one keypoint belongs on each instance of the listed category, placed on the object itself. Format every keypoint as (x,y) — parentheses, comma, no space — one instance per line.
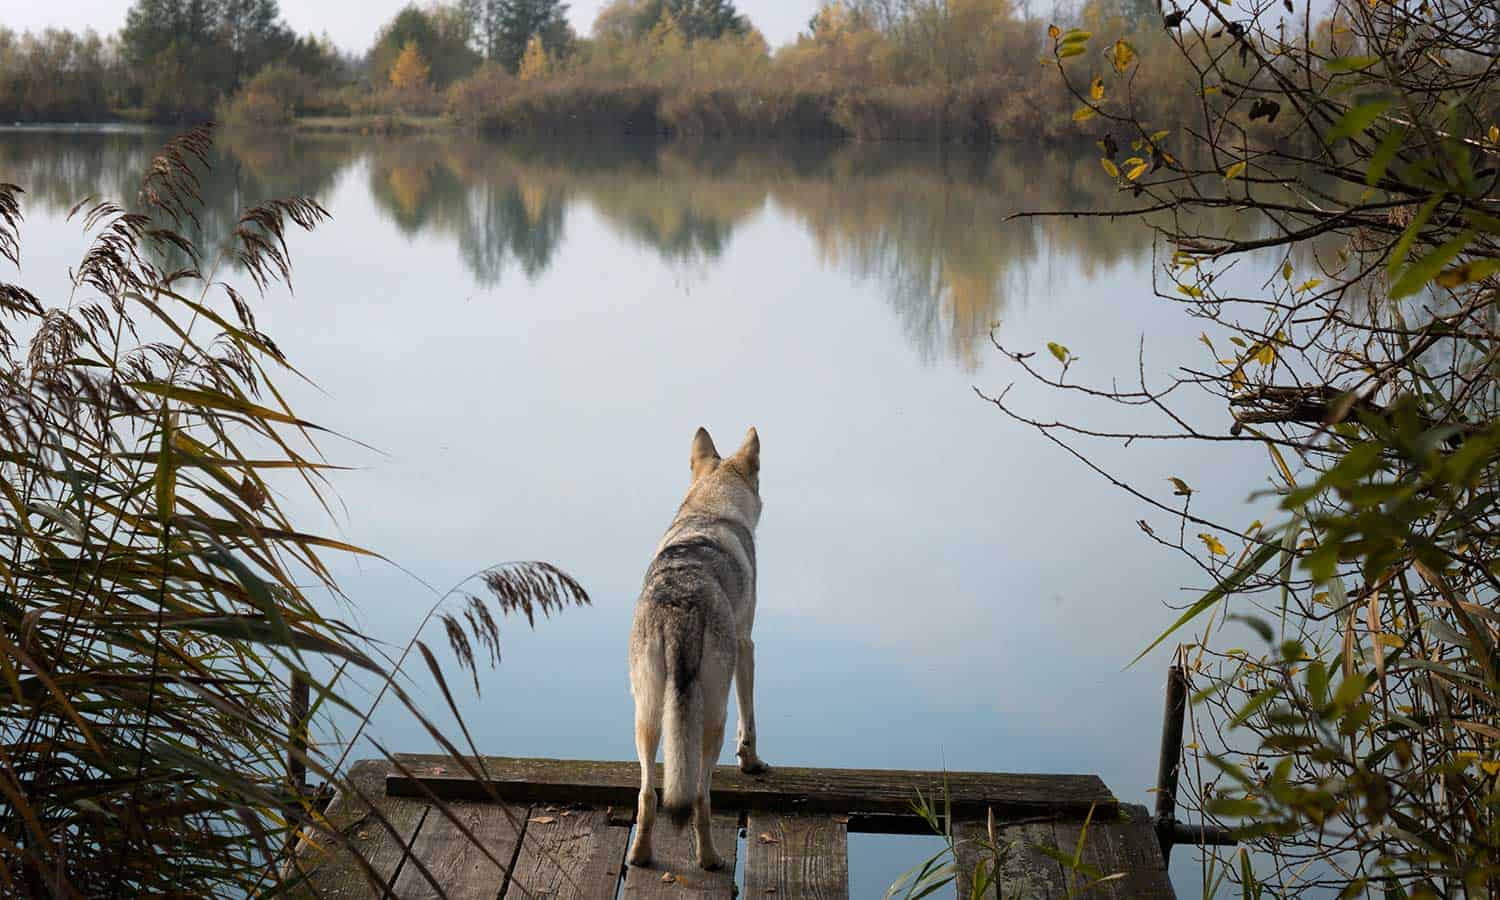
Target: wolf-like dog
(691,637)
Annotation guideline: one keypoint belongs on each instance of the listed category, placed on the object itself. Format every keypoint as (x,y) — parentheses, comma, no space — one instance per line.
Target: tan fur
(720,511)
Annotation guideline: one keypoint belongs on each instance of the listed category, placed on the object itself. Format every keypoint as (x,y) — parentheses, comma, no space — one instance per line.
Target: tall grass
(155,597)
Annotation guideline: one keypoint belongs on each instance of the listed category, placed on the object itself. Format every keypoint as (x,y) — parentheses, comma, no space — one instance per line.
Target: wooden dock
(558,829)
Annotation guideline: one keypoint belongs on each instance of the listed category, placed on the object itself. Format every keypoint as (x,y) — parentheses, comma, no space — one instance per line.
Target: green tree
(513,23)
(440,35)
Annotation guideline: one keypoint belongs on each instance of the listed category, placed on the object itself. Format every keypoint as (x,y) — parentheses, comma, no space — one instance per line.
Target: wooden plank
(1026,873)
(569,855)
(331,867)
(673,850)
(797,856)
(462,870)
(1128,846)
(1124,848)
(839,791)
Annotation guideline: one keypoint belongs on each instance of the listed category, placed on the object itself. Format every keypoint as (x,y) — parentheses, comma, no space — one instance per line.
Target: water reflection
(927,227)
(937,588)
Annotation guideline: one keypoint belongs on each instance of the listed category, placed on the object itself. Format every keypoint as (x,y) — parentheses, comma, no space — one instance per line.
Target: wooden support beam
(454,859)
(377,832)
(673,873)
(805,856)
(863,794)
(569,854)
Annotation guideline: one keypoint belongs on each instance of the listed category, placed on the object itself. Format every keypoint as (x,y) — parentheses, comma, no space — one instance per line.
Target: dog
(691,637)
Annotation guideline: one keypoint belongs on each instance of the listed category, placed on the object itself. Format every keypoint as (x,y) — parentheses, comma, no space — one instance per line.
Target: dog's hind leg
(713,742)
(647,736)
(744,686)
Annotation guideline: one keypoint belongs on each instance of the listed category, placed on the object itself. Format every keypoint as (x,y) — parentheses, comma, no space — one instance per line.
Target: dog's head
(742,466)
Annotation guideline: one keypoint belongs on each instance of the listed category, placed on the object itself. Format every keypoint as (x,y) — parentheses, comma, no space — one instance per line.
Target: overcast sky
(352,23)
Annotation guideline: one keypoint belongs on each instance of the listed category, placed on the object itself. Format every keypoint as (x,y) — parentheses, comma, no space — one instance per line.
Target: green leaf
(1473,270)
(1359,117)
(1342,64)
(1058,350)
(262,631)
(1425,269)
(1380,160)
(1409,236)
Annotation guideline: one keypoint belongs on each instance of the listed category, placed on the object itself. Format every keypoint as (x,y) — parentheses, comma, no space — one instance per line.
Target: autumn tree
(410,70)
(442,35)
(510,25)
(535,62)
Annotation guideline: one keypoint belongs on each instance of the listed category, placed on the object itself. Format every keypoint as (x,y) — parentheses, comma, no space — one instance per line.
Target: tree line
(953,69)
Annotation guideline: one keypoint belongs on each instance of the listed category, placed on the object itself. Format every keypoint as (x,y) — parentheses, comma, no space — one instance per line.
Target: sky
(352,23)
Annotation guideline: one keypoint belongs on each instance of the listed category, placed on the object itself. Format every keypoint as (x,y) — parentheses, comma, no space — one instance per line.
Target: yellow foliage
(410,70)
(534,62)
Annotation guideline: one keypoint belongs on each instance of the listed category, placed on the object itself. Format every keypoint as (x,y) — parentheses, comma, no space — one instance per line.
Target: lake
(523,338)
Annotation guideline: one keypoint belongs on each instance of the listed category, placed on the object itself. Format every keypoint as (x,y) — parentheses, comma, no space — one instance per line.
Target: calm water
(528,336)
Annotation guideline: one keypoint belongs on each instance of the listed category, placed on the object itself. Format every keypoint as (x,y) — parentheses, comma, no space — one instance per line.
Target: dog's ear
(750,452)
(705,457)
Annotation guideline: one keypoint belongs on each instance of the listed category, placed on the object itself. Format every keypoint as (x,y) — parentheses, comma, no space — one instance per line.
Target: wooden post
(296,768)
(1169,831)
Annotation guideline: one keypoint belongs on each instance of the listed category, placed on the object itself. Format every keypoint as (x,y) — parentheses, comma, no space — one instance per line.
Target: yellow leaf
(1286,471)
(1286,271)
(1389,640)
(1054,32)
(1491,767)
(1110,167)
(1235,170)
(1308,285)
(1211,89)
(1137,171)
(1157,136)
(1123,54)
(1180,487)
(1190,290)
(1495,134)
(1212,543)
(1083,113)
(1265,354)
(1096,90)
(1321,597)
(1058,350)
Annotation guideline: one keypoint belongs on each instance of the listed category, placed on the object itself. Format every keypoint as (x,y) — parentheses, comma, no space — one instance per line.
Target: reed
(156,600)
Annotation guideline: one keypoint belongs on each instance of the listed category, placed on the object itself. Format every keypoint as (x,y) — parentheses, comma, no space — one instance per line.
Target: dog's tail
(682,719)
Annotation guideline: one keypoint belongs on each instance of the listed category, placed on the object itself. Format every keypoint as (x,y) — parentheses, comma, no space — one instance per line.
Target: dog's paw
(639,855)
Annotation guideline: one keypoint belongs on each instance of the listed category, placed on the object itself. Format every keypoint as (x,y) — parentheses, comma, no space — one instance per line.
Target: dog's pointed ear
(750,451)
(705,457)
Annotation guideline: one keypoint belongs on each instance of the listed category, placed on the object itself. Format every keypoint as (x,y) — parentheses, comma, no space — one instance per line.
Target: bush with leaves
(1360,754)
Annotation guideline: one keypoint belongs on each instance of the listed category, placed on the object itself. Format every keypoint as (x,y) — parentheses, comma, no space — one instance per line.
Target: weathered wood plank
(331,868)
(1124,853)
(569,855)
(797,856)
(673,852)
(1128,846)
(839,791)
(1026,873)
(462,870)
